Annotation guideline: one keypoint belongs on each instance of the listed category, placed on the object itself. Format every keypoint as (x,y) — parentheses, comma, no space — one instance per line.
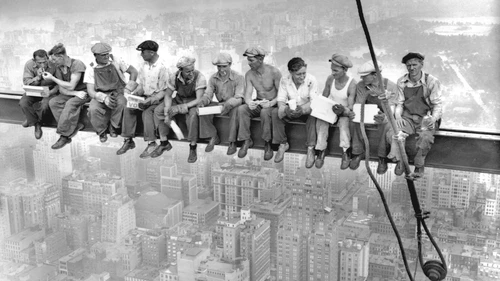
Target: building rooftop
(148,274)
(201,206)
(154,202)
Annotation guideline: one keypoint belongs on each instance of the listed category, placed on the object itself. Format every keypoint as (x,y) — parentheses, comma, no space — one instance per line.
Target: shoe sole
(168,148)
(131,147)
(68,142)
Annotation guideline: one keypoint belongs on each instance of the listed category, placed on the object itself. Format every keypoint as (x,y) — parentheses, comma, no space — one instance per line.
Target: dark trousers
(129,122)
(197,126)
(66,111)
(101,115)
(358,144)
(424,143)
(279,135)
(34,108)
(245,116)
(210,130)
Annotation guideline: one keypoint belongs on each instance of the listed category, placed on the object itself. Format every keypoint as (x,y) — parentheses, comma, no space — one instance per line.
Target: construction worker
(341,89)
(190,85)
(228,86)
(298,88)
(152,85)
(66,106)
(265,79)
(367,90)
(418,111)
(35,108)
(106,85)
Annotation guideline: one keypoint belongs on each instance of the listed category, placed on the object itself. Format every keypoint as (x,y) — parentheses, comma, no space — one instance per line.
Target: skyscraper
(51,165)
(118,217)
(178,186)
(122,165)
(255,242)
(353,259)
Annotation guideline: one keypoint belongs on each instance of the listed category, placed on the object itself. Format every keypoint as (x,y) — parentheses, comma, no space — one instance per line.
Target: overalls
(109,82)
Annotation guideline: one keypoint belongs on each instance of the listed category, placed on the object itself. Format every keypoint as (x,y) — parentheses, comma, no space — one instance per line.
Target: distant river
(480,20)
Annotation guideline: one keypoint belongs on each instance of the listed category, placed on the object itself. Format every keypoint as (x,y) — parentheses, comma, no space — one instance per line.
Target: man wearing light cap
(265,79)
(341,89)
(190,85)
(418,111)
(106,86)
(228,86)
(368,91)
(152,85)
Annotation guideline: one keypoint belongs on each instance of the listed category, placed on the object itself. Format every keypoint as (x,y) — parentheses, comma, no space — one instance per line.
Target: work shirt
(31,71)
(154,78)
(234,86)
(69,67)
(117,62)
(306,92)
(432,92)
(201,81)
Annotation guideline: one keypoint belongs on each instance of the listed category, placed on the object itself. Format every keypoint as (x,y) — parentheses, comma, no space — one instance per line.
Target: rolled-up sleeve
(435,96)
(400,96)
(28,73)
(239,90)
(171,80)
(201,82)
(313,88)
(209,92)
(282,91)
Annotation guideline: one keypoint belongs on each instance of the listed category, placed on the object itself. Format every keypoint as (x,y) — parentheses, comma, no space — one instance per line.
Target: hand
(380,118)
(351,115)
(226,108)
(428,122)
(44,93)
(172,111)
(47,76)
(265,104)
(253,105)
(297,112)
(145,104)
(81,94)
(110,102)
(167,120)
(282,111)
(338,109)
(400,122)
(127,91)
(203,102)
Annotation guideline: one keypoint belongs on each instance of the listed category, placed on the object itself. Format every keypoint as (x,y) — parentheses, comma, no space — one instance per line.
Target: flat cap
(222,59)
(411,55)
(148,45)
(368,67)
(341,60)
(185,61)
(254,51)
(101,48)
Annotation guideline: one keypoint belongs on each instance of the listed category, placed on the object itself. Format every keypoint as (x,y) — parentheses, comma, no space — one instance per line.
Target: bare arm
(133,73)
(276,81)
(71,85)
(248,88)
(328,85)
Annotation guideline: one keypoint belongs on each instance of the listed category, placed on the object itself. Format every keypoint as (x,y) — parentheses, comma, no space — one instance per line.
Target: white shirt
(153,78)
(306,92)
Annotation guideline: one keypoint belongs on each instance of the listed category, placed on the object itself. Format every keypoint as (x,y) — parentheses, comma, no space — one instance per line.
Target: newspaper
(322,109)
(133,101)
(370,111)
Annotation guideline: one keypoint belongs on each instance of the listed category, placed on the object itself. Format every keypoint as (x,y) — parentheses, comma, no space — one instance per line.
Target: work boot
(355,161)
(311,155)
(244,148)
(382,165)
(346,159)
(38,131)
(321,158)
(399,169)
(61,142)
(79,127)
(164,146)
(268,151)
(103,137)
(192,154)
(418,172)
(113,132)
(212,143)
(281,152)
(231,149)
(25,124)
(127,144)
(149,149)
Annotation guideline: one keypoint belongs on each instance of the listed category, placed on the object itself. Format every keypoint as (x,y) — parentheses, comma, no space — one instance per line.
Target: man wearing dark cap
(228,86)
(295,94)
(341,89)
(190,85)
(152,84)
(419,108)
(34,108)
(106,86)
(72,96)
(265,79)
(367,90)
